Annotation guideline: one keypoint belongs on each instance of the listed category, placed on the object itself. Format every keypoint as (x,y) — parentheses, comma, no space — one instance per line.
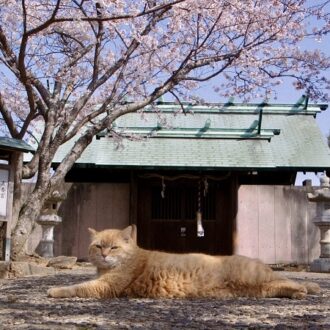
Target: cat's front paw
(64,292)
(298,295)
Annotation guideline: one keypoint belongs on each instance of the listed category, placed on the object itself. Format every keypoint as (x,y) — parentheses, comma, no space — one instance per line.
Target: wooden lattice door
(167,219)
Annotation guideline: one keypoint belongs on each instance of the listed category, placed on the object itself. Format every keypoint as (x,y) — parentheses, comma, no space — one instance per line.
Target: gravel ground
(24,305)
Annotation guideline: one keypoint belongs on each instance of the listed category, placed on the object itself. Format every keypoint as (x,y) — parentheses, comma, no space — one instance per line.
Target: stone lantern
(321,196)
(48,219)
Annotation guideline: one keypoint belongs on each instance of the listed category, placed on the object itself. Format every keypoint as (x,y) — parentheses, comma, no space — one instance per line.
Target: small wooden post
(8,150)
(6,201)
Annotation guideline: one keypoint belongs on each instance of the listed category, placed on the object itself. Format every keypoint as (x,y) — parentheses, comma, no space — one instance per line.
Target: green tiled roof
(217,136)
(14,145)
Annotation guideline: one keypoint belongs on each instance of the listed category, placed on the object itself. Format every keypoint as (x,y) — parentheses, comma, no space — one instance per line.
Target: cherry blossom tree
(69,68)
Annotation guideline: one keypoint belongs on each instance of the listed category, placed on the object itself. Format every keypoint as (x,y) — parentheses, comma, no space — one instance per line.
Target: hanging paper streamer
(200,229)
(162,193)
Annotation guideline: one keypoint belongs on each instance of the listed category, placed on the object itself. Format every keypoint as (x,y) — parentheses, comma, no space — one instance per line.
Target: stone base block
(321,265)
(62,262)
(4,269)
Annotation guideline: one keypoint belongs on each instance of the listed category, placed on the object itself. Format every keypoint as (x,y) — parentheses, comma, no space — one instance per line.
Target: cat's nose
(104,253)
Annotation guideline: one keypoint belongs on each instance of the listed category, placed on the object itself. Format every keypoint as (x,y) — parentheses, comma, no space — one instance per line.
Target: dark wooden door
(168,222)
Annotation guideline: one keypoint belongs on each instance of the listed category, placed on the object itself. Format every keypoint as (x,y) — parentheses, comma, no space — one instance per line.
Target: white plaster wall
(274,224)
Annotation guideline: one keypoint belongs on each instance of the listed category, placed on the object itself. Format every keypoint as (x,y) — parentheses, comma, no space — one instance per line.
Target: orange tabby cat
(124,269)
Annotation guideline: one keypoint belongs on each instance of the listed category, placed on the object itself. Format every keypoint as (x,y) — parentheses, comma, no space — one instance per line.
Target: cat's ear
(129,233)
(92,231)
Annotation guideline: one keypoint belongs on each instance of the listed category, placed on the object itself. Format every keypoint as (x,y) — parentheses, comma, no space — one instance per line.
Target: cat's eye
(114,247)
(98,246)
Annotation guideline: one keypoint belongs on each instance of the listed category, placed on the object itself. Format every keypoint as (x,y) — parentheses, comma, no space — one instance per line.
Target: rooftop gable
(213,136)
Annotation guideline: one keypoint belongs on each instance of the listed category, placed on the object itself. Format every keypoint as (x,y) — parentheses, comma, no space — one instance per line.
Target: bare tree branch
(6,115)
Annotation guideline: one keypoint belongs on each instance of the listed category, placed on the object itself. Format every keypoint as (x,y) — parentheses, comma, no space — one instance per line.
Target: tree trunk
(17,160)
(25,223)
(31,208)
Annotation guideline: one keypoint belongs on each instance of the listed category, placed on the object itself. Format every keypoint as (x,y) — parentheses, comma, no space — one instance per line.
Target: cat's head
(111,247)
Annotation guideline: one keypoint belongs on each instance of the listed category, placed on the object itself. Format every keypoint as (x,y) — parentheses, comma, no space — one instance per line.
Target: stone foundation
(321,265)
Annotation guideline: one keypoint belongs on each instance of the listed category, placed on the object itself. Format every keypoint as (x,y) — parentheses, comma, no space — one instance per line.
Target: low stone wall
(35,266)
